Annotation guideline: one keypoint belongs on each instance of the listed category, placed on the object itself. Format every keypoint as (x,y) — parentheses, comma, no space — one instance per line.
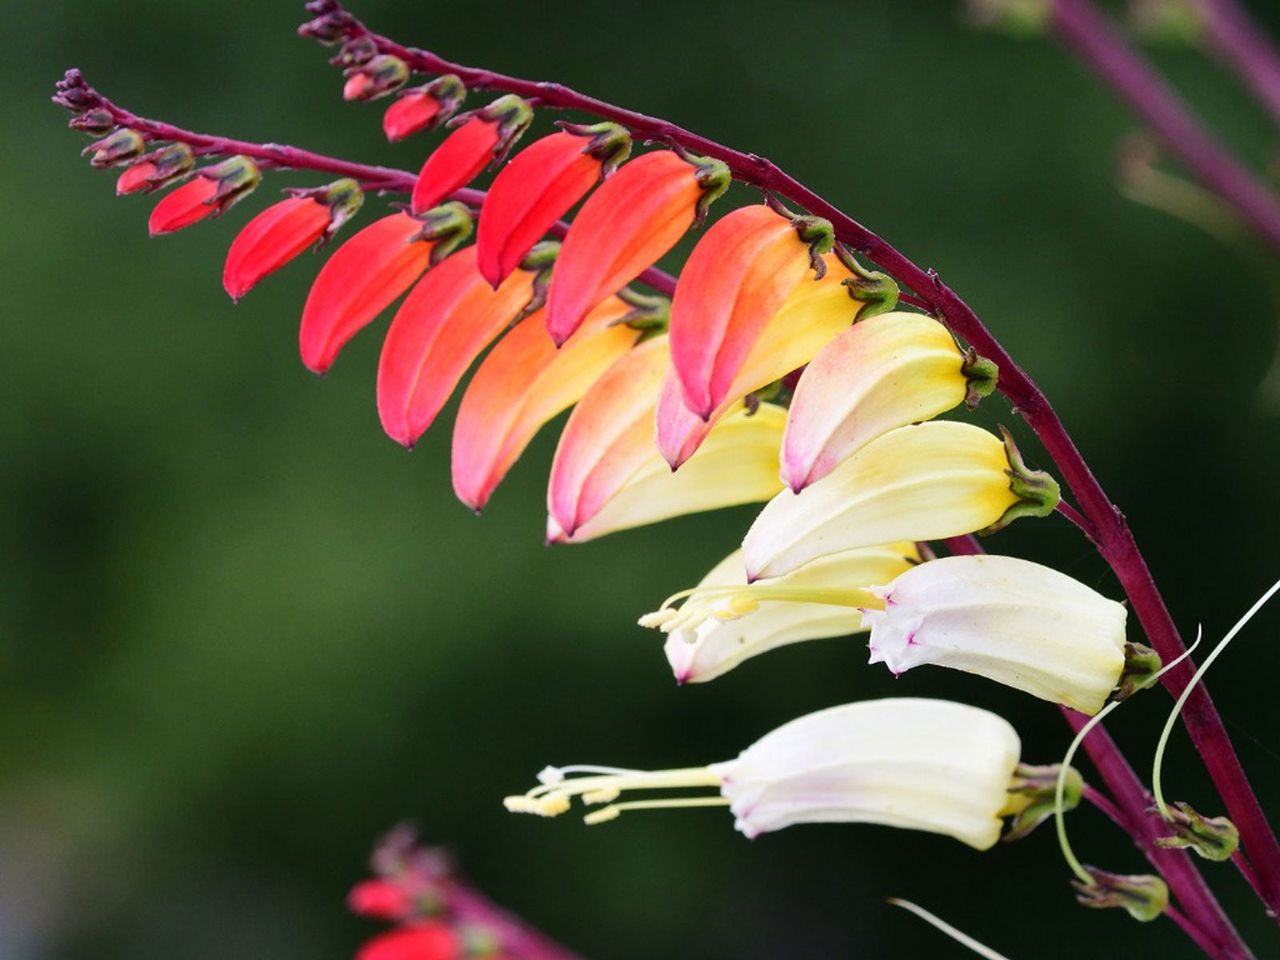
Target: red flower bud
(423,107)
(538,187)
(136,178)
(120,147)
(380,76)
(380,900)
(284,230)
(483,136)
(211,191)
(419,941)
(156,169)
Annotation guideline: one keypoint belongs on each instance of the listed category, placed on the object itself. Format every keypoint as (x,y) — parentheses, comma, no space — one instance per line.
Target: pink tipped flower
(524,382)
(135,178)
(635,217)
(538,187)
(431,940)
(738,276)
(284,230)
(368,272)
(210,192)
(439,330)
(380,899)
(423,107)
(483,136)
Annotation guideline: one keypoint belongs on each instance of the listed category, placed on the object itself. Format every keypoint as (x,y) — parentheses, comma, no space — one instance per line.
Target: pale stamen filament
(553,798)
(613,811)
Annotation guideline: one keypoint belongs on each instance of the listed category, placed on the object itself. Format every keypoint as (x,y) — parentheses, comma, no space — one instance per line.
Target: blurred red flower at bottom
(419,941)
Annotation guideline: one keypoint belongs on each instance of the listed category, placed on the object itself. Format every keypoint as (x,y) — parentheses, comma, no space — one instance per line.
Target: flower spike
(281,232)
(539,186)
(423,108)
(368,272)
(811,316)
(439,330)
(885,372)
(738,276)
(928,765)
(380,76)
(481,136)
(922,482)
(524,382)
(156,169)
(724,621)
(624,227)
(210,192)
(1013,621)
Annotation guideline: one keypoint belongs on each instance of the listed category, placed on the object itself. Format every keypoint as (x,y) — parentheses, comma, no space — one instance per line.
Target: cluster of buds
(780,371)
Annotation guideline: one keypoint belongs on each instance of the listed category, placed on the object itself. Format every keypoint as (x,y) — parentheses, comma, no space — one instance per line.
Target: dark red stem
(280,156)
(1104,522)
(1237,41)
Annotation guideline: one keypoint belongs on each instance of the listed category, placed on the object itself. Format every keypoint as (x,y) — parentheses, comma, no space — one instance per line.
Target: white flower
(1013,621)
(928,765)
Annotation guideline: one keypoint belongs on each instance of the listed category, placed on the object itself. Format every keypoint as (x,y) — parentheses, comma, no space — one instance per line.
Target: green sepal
(650,315)
(1142,896)
(513,115)
(1213,838)
(449,225)
(355,52)
(610,143)
(713,177)
(877,291)
(236,178)
(982,376)
(1037,492)
(122,146)
(1033,797)
(539,261)
(1141,670)
(95,122)
(820,236)
(386,72)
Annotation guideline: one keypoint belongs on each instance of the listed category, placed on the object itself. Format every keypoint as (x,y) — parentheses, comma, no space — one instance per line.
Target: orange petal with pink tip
(608,437)
(814,314)
(529,195)
(635,217)
(736,279)
(442,326)
(358,282)
(524,382)
(271,239)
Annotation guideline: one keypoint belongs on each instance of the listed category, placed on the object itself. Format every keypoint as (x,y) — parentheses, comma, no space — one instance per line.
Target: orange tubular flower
(539,186)
(523,383)
(283,230)
(482,136)
(608,437)
(210,192)
(444,323)
(736,279)
(423,107)
(625,226)
(368,272)
(811,317)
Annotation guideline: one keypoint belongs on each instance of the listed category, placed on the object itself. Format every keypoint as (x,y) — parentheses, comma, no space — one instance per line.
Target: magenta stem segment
(1236,40)
(1104,523)
(282,157)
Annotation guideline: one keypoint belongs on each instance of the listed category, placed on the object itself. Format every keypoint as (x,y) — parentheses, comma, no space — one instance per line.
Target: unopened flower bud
(156,169)
(97,121)
(1214,838)
(1032,797)
(1142,896)
(382,75)
(119,147)
(74,94)
(210,192)
(355,52)
(330,24)
(423,108)
(1013,621)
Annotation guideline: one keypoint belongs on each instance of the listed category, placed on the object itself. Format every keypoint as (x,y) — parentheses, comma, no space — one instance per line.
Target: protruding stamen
(615,811)
(553,795)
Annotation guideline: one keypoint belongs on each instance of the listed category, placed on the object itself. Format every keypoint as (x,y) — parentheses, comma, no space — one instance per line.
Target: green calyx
(1141,670)
(981,375)
(650,315)
(171,162)
(120,147)
(449,91)
(821,238)
(1142,896)
(344,198)
(448,225)
(610,143)
(355,52)
(713,177)
(96,122)
(877,291)
(1214,838)
(1033,797)
(236,178)
(513,116)
(539,261)
(1037,492)
(386,73)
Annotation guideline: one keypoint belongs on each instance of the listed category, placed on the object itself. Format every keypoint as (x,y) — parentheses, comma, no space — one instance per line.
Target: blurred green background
(242,633)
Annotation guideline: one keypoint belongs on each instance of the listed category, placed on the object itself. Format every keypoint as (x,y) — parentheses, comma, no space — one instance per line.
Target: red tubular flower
(283,230)
(431,940)
(624,227)
(736,279)
(523,383)
(210,192)
(538,187)
(136,178)
(484,135)
(380,899)
(368,272)
(423,107)
(444,323)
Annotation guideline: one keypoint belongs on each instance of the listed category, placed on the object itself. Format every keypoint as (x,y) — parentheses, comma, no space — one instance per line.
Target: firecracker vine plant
(797,359)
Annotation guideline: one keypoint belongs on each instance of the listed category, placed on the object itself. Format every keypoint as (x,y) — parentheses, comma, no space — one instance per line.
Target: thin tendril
(938,923)
(1158,763)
